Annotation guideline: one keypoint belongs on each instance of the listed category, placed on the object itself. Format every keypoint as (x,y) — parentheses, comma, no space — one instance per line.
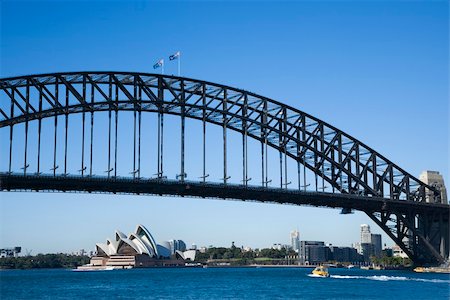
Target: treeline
(390,261)
(43,261)
(234,253)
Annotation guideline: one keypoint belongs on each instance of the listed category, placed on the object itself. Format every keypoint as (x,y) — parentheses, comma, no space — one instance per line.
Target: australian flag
(160,63)
(175,56)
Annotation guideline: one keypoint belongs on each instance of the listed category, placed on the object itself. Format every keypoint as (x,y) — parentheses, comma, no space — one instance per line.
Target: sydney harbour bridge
(115,132)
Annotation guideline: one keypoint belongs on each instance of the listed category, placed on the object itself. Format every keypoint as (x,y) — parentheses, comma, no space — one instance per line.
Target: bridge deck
(97,184)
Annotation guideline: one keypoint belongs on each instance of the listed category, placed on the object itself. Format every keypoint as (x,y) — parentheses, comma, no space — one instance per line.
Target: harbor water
(222,283)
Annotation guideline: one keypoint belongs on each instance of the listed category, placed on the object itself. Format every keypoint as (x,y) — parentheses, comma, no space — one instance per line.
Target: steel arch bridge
(360,178)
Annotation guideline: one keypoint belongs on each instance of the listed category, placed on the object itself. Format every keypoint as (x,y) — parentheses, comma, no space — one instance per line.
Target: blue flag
(160,63)
(175,56)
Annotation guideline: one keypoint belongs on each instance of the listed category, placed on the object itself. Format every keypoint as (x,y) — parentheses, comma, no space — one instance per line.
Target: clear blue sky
(375,69)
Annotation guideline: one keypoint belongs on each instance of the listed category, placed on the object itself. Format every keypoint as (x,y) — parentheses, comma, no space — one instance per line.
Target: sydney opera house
(139,249)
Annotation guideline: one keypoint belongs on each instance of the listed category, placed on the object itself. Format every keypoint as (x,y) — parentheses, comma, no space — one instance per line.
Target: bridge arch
(348,165)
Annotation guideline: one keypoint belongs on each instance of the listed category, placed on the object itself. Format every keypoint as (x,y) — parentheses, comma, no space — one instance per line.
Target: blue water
(223,283)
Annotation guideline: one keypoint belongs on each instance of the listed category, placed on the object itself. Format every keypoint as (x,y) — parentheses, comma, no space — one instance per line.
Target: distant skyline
(378,70)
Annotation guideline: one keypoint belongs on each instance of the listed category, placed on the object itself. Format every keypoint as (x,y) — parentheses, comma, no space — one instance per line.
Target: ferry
(88,268)
(445,270)
(320,271)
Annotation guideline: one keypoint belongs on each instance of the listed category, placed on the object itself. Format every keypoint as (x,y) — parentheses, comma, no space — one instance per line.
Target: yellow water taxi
(320,271)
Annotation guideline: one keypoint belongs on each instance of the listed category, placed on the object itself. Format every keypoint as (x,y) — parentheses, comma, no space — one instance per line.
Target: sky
(377,70)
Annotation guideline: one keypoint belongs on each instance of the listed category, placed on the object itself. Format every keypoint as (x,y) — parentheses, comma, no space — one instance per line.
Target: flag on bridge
(175,56)
(160,63)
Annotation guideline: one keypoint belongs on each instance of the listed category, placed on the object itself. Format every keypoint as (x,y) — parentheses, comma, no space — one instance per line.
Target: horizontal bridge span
(158,186)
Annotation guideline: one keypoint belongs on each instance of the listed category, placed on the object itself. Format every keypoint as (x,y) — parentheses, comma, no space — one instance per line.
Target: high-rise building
(295,241)
(433,178)
(367,251)
(174,245)
(366,237)
(370,244)
(376,242)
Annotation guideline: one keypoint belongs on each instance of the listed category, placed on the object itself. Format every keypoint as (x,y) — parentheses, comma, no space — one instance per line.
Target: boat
(320,271)
(444,269)
(87,268)
(350,266)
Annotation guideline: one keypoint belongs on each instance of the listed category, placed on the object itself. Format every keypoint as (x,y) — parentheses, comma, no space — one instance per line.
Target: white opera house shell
(139,242)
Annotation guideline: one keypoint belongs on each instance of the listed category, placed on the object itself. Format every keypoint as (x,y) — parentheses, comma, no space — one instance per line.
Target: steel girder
(348,165)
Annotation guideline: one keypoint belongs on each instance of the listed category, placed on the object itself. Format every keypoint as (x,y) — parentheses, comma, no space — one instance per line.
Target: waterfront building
(387,252)
(295,240)
(433,178)
(367,250)
(312,252)
(10,252)
(138,249)
(376,242)
(278,246)
(343,254)
(398,252)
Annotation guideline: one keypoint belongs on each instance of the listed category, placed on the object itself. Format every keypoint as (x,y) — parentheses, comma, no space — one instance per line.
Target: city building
(357,246)
(10,252)
(398,252)
(367,250)
(174,245)
(295,240)
(344,254)
(387,252)
(312,252)
(370,244)
(366,237)
(377,245)
(433,178)
(278,246)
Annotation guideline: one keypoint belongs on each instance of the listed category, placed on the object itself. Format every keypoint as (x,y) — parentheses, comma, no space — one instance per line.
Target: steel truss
(348,165)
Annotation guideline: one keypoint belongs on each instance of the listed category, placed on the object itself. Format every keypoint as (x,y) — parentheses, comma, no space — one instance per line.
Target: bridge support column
(422,236)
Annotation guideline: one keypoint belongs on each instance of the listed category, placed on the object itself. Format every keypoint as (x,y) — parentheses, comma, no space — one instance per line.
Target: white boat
(88,268)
